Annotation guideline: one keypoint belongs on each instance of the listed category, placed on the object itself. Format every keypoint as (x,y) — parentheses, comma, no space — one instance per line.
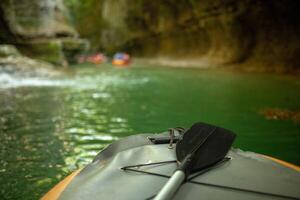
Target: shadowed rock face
(255,32)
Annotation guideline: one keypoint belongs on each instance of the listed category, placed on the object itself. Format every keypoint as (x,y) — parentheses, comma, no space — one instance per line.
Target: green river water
(50,127)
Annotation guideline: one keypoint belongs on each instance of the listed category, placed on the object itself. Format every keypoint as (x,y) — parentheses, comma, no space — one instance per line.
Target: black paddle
(202,146)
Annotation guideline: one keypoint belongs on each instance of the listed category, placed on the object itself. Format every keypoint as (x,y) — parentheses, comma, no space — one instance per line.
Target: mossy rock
(47,50)
(8,50)
(73,47)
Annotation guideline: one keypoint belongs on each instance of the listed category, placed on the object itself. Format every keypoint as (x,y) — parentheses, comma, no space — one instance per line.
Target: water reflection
(31,154)
(91,124)
(50,127)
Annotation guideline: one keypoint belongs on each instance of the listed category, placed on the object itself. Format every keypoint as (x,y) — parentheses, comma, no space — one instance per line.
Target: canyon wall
(257,33)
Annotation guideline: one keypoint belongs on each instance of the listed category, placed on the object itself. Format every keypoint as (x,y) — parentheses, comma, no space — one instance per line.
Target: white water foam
(101,81)
(8,80)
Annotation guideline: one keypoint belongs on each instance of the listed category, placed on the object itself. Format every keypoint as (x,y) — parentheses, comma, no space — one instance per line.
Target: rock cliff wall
(36,18)
(258,33)
(40,29)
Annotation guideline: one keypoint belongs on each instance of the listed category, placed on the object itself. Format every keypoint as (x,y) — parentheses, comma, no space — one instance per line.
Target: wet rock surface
(8,50)
(26,66)
(13,63)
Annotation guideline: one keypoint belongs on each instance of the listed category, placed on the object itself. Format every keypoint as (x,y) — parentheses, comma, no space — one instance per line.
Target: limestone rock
(8,50)
(56,51)
(12,62)
(36,18)
(40,29)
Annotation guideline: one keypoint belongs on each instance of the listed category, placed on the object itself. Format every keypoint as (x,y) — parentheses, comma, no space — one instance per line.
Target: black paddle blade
(208,144)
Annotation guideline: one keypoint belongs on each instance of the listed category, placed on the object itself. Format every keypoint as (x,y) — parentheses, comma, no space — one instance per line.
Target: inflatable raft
(121,59)
(138,166)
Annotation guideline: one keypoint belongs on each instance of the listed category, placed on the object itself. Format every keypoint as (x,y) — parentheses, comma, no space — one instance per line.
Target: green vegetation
(86,17)
(48,50)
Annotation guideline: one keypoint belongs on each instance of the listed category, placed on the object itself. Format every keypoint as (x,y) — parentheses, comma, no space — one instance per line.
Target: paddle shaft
(171,186)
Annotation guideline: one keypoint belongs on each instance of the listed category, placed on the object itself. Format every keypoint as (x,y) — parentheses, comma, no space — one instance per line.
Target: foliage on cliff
(86,17)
